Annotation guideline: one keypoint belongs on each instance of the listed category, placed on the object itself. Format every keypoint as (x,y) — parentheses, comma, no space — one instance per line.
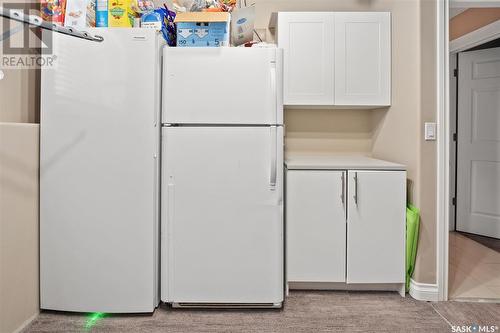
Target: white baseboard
(399,287)
(26,323)
(424,291)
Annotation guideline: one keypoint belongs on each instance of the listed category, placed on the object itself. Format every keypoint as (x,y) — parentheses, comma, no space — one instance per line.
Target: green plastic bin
(412,228)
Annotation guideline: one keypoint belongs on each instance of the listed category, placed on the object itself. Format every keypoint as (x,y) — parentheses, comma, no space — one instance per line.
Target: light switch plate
(2,75)
(430,131)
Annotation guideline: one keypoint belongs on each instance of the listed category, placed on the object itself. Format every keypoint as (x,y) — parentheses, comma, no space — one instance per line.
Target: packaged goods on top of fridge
(91,8)
(242,24)
(142,6)
(168,28)
(77,13)
(53,11)
(181,6)
(120,14)
(151,20)
(101,13)
(202,29)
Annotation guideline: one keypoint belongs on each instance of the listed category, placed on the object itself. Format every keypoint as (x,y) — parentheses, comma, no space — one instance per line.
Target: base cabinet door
(376,226)
(316,225)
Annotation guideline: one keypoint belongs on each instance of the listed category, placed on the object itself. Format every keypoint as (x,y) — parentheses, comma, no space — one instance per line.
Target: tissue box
(202,29)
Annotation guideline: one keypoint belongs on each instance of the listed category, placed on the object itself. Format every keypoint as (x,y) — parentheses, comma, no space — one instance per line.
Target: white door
(316,225)
(98,184)
(222,218)
(376,226)
(307,42)
(225,85)
(478,186)
(362,58)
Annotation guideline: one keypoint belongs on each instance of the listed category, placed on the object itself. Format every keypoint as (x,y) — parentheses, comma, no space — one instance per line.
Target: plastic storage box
(203,29)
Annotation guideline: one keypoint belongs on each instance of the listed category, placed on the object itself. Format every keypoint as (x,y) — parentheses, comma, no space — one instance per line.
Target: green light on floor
(92,319)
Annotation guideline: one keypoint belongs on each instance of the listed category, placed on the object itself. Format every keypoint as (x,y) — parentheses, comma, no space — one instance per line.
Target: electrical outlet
(430,131)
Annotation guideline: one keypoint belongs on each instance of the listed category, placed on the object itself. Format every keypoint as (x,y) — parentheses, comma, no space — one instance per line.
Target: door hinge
(455,72)
(454,201)
(455,137)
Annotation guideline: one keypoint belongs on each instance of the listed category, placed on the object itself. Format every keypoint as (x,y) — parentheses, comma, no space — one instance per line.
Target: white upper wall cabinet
(362,58)
(307,42)
(337,59)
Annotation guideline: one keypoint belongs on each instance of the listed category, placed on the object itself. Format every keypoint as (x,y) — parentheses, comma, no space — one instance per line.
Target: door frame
(445,48)
(443,148)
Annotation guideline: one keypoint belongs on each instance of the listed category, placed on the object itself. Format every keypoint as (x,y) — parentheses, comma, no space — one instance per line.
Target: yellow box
(120,14)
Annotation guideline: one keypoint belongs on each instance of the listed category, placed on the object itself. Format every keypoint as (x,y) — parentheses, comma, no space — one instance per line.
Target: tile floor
(492,243)
(474,271)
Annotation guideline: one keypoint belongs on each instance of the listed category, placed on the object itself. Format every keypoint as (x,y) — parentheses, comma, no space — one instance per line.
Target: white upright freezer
(99,173)
(222,177)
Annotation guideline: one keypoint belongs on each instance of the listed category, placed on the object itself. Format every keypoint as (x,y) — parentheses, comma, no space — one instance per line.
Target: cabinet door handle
(342,196)
(355,188)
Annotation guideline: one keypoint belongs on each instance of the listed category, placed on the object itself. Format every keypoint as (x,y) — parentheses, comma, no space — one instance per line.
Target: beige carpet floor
(304,311)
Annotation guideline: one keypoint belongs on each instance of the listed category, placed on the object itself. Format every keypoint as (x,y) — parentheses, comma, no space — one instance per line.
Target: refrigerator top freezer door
(98,210)
(226,85)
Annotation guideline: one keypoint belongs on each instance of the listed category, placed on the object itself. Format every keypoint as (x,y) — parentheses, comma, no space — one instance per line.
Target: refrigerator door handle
(273,171)
(167,271)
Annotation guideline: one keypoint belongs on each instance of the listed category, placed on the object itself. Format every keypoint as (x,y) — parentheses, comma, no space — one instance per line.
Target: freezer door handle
(274,170)
(273,89)
(342,195)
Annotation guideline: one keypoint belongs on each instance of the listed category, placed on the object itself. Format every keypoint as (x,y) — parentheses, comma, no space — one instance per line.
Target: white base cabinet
(345,226)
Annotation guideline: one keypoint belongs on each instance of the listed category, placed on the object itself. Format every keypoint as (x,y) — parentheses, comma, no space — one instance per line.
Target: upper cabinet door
(307,41)
(362,58)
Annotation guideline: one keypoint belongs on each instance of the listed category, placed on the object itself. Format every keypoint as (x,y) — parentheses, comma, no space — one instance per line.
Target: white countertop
(301,161)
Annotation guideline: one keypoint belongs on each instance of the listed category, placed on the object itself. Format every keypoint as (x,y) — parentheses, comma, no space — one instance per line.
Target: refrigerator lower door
(222,215)
(99,223)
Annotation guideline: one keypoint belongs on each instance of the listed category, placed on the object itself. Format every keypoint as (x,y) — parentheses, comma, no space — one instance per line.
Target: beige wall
(19,279)
(393,133)
(19,91)
(329,130)
(472,19)
(18,225)
(425,269)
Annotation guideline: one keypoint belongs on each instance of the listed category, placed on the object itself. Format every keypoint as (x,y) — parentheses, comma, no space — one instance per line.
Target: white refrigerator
(99,173)
(222,178)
